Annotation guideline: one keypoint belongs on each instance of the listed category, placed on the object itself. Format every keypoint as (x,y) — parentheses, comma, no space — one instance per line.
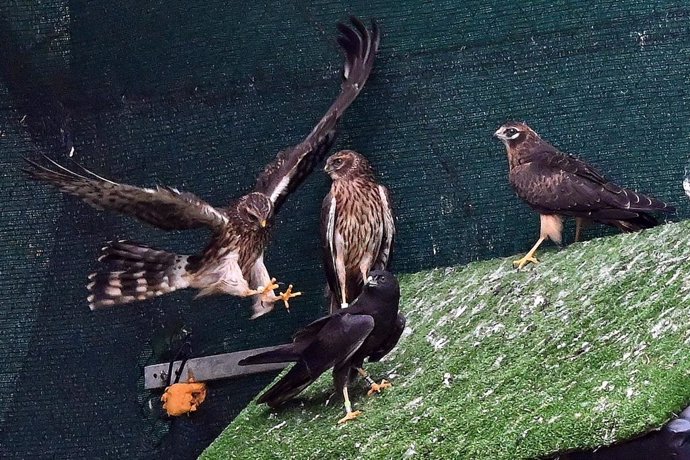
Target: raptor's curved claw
(287,295)
(350,416)
(379,387)
(268,289)
(519,264)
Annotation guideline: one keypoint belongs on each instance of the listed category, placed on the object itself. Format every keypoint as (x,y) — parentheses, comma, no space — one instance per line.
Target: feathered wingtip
(360,46)
(54,173)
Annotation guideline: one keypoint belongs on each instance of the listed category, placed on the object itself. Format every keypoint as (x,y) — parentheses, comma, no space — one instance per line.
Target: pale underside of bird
(357,226)
(232,262)
(369,329)
(558,185)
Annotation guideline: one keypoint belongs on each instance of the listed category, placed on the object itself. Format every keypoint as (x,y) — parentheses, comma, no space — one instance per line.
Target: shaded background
(201,97)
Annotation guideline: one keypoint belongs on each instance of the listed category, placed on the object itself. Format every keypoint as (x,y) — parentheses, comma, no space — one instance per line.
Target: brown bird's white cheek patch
(551,227)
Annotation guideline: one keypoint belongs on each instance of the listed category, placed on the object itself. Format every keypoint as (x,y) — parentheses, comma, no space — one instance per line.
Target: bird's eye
(337,162)
(511,132)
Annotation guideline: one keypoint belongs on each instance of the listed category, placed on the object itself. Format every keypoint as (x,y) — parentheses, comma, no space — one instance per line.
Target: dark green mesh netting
(201,95)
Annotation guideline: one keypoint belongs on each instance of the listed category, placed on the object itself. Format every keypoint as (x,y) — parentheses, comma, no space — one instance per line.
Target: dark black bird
(370,327)
(558,185)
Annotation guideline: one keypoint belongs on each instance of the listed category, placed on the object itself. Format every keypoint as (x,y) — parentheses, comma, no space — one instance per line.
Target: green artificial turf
(588,348)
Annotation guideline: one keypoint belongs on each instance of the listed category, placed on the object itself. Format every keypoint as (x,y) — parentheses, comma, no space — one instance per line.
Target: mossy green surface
(587,348)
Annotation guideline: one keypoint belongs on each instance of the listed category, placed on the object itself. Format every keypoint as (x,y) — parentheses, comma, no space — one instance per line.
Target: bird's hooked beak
(499,133)
(263,223)
(371,281)
(327,169)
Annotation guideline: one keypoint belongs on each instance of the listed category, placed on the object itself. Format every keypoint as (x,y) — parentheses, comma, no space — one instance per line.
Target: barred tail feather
(135,272)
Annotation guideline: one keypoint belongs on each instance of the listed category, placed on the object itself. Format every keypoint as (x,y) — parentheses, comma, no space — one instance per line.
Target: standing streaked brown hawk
(558,185)
(232,262)
(357,226)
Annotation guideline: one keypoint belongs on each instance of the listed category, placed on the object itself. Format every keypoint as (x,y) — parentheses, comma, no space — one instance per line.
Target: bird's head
(514,133)
(382,283)
(346,163)
(255,210)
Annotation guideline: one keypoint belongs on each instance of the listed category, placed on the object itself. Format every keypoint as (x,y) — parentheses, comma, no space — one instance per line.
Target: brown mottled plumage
(232,262)
(357,226)
(558,185)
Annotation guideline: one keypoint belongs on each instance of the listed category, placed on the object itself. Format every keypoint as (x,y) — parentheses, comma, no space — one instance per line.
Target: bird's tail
(296,380)
(135,272)
(283,354)
(633,211)
(641,221)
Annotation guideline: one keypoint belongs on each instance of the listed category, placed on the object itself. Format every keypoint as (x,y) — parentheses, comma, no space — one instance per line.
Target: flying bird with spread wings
(558,185)
(369,328)
(232,262)
(357,226)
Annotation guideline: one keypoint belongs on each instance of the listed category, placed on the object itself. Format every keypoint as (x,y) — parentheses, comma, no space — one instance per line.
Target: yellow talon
(269,287)
(350,416)
(264,291)
(287,295)
(379,387)
(519,264)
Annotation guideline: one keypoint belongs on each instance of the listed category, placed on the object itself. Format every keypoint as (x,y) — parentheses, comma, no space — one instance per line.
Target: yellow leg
(265,291)
(349,414)
(343,298)
(529,257)
(580,224)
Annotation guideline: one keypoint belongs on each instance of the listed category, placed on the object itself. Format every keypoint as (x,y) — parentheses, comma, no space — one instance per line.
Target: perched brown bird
(557,185)
(357,226)
(369,329)
(232,262)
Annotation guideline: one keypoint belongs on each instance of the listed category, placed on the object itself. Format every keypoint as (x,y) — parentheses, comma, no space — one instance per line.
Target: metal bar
(208,368)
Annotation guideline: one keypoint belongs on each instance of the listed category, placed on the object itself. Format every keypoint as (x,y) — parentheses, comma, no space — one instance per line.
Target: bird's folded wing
(392,340)
(565,183)
(163,207)
(311,330)
(384,255)
(329,215)
(342,328)
(339,339)
(576,166)
(294,164)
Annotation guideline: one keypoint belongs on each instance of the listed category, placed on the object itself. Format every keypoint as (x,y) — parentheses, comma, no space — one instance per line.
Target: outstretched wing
(163,207)
(563,184)
(294,164)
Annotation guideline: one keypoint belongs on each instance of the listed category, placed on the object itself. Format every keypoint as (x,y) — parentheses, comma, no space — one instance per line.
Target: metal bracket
(210,368)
